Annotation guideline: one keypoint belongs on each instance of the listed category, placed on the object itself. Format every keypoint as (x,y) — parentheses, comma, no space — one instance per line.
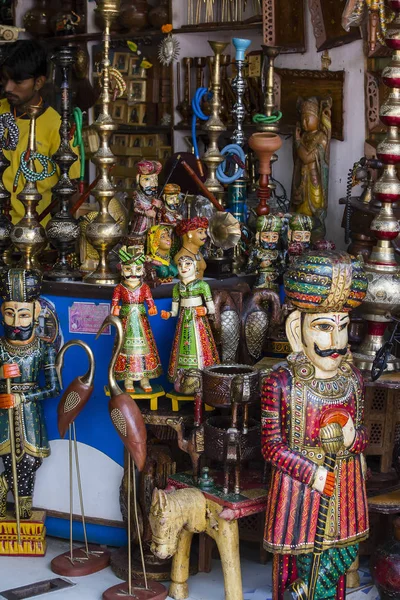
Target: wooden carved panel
(283,24)
(307,83)
(326,16)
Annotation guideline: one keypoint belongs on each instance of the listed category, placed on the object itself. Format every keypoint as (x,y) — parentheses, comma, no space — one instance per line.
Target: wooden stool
(139,394)
(176,397)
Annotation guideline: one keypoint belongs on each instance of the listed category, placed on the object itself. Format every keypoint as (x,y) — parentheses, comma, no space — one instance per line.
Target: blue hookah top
(241,46)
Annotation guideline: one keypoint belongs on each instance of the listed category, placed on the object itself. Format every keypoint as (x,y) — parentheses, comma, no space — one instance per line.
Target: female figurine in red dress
(138,359)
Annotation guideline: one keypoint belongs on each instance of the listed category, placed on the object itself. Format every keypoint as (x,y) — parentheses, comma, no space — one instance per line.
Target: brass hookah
(7,142)
(63,230)
(382,269)
(214,126)
(28,235)
(104,232)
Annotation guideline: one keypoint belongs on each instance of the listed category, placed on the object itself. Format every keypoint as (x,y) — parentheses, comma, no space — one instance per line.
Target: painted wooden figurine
(193,233)
(158,253)
(311,162)
(299,235)
(313,434)
(145,202)
(171,212)
(193,346)
(23,356)
(265,256)
(138,359)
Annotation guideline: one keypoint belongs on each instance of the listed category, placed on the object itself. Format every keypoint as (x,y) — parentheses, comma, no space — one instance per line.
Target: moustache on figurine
(330,351)
(20,334)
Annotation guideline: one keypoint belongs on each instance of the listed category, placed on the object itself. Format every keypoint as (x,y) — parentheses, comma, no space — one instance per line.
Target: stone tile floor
(15,572)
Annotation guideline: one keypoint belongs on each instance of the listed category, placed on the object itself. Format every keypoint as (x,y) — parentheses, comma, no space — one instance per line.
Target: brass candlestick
(28,235)
(214,126)
(104,232)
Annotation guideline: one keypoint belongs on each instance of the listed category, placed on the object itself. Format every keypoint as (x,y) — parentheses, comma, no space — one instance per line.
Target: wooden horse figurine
(174,518)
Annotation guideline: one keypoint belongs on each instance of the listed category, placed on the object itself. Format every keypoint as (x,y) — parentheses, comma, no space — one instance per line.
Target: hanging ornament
(168,50)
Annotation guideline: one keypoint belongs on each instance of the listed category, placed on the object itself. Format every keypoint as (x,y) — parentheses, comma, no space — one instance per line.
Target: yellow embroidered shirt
(47,143)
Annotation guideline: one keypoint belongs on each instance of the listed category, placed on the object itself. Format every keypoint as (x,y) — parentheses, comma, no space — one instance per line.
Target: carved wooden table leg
(179,589)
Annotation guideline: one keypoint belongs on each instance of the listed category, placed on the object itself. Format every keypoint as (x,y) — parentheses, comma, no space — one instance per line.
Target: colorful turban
(269,223)
(132,256)
(20,285)
(298,222)
(325,282)
(172,188)
(149,167)
(187,225)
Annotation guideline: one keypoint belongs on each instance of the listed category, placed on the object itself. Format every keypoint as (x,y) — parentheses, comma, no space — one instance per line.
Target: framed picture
(119,112)
(119,183)
(164,152)
(136,115)
(149,141)
(137,90)
(135,141)
(123,161)
(132,162)
(130,183)
(120,140)
(121,62)
(135,70)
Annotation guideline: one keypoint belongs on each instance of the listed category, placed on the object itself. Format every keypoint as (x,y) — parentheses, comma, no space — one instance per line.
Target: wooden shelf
(147,129)
(211,27)
(97,36)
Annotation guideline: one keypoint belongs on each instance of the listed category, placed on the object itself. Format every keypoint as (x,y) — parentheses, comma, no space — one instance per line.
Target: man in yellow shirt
(23,75)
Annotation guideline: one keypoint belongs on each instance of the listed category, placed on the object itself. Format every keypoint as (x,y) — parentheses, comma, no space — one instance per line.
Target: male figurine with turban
(193,234)
(145,202)
(299,235)
(22,357)
(265,257)
(313,433)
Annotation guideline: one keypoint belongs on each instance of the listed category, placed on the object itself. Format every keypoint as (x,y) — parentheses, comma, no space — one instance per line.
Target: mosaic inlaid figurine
(313,434)
(145,202)
(21,351)
(193,233)
(265,257)
(138,359)
(193,346)
(158,253)
(311,161)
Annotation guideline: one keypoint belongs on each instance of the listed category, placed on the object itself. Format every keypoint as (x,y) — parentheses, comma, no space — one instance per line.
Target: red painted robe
(292,404)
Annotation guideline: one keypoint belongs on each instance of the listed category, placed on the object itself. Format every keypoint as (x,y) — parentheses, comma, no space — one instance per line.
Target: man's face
(132,272)
(19,93)
(148,183)
(198,236)
(186,268)
(325,337)
(172,200)
(19,320)
(269,239)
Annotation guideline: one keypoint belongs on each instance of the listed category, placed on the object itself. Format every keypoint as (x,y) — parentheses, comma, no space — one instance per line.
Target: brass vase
(214,126)
(382,270)
(28,235)
(264,145)
(104,232)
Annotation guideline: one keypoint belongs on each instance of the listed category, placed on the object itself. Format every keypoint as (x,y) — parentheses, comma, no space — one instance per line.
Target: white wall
(343,154)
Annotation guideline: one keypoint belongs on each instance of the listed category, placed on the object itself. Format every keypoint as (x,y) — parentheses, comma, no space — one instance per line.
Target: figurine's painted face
(172,200)
(131,273)
(299,236)
(165,240)
(324,339)
(19,320)
(149,184)
(309,121)
(198,236)
(187,267)
(269,239)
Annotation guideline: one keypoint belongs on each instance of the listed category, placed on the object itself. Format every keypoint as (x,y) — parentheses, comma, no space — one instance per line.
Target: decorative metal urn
(63,230)
(214,126)
(28,235)
(104,232)
(382,270)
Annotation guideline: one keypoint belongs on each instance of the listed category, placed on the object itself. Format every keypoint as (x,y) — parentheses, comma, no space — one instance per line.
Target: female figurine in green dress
(193,346)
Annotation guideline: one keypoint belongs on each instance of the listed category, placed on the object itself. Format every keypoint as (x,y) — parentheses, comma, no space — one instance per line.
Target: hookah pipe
(231,150)
(202,187)
(366,163)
